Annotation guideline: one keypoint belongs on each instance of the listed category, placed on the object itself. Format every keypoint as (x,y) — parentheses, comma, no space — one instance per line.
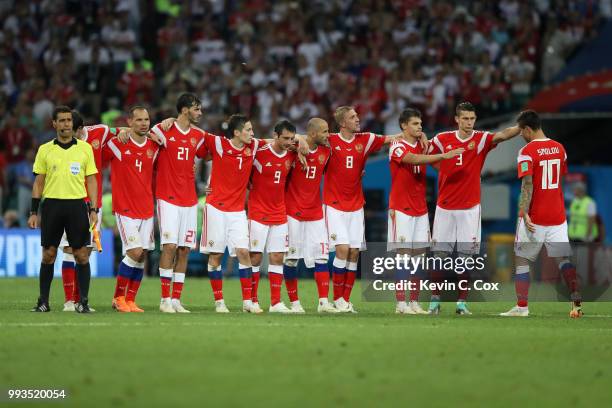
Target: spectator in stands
(15,142)
(10,219)
(24,179)
(200,46)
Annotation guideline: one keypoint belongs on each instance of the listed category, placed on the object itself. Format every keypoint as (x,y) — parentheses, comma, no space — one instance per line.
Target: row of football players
(286,216)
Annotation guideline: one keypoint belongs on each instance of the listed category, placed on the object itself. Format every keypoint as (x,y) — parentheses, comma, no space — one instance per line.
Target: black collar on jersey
(65,146)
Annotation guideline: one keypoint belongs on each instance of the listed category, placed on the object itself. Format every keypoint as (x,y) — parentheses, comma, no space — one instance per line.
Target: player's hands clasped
(452,153)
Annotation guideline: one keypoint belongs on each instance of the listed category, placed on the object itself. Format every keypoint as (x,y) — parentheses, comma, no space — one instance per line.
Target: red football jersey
(231,169)
(267,196)
(342,188)
(303,191)
(459,178)
(132,176)
(546,161)
(97,136)
(408,181)
(175,176)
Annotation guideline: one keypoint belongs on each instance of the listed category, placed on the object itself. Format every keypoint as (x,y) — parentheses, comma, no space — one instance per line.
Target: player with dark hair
(457,219)
(65,174)
(97,136)
(225,222)
(408,222)
(132,181)
(542,163)
(267,216)
(177,200)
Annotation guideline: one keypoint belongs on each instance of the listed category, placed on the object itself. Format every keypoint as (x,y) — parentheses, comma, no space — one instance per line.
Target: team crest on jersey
(193,141)
(255,242)
(149,153)
(95,144)
(359,147)
(321,158)
(333,237)
(247,151)
(287,165)
(471,145)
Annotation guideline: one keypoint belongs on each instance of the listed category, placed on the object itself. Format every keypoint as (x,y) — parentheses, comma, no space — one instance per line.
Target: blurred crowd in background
(270,60)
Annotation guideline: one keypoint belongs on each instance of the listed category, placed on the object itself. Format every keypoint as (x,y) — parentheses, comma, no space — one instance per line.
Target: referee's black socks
(83,272)
(45,279)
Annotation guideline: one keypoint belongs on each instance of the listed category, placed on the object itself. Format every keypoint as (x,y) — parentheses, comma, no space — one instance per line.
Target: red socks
(321,275)
(338,272)
(165,276)
(121,286)
(216,281)
(255,284)
(68,277)
(292,289)
(177,285)
(276,283)
(521,285)
(349,281)
(132,290)
(568,270)
(416,290)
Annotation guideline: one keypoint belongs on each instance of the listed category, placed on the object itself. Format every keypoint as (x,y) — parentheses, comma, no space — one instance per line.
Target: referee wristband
(34,206)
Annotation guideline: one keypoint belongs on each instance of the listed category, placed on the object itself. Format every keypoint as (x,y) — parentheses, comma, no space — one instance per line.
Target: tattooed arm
(525,201)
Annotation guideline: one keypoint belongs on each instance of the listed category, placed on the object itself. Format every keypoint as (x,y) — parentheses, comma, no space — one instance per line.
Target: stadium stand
(271,59)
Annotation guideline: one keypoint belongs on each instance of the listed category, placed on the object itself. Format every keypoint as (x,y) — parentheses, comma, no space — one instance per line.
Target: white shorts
(460,226)
(528,244)
(406,231)
(221,229)
(135,232)
(308,240)
(64,240)
(177,225)
(272,238)
(345,227)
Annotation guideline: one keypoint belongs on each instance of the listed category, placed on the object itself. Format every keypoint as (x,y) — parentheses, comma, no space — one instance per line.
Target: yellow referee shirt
(65,169)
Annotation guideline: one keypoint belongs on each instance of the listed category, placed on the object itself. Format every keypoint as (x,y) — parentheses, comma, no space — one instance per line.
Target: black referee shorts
(57,216)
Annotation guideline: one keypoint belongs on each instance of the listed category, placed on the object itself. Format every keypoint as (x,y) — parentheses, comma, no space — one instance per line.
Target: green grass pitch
(374,358)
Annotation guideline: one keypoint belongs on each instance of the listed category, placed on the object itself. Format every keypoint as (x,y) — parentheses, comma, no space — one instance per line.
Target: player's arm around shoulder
(506,134)
(433,159)
(110,151)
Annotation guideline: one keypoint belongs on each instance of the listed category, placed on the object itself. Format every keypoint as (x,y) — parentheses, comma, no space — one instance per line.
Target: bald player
(307,230)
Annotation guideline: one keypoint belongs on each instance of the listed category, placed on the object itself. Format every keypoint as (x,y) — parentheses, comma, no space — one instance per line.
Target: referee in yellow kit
(63,166)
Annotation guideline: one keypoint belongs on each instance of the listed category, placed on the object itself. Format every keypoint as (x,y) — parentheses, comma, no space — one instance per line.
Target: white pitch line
(586,316)
(204,324)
